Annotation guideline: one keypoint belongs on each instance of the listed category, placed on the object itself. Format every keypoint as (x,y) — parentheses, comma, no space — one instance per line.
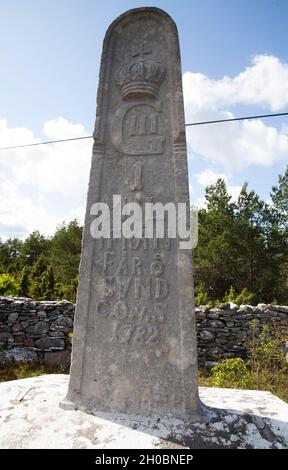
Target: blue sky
(50,53)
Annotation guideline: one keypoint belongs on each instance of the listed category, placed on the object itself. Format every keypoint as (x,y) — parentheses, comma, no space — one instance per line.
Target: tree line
(43,268)
(243,246)
(241,254)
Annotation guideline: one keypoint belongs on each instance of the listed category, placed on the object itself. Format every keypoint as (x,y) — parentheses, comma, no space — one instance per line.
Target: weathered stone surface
(217,324)
(242,334)
(42,314)
(279,308)
(24,323)
(225,306)
(262,306)
(57,343)
(18,356)
(64,313)
(29,343)
(5,336)
(240,419)
(199,314)
(207,335)
(57,358)
(60,326)
(43,343)
(134,345)
(38,329)
(13,316)
(4,328)
(213,315)
(221,340)
(245,308)
(16,328)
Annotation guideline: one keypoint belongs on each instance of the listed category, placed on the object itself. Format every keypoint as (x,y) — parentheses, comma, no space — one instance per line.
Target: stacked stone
(224,332)
(42,327)
(41,331)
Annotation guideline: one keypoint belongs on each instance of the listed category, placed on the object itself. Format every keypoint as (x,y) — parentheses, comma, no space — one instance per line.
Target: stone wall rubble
(41,332)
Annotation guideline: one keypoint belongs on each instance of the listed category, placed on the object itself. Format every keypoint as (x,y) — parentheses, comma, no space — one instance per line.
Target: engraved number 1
(137,184)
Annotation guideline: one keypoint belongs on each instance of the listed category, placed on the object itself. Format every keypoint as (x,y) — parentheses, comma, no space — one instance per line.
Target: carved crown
(140,79)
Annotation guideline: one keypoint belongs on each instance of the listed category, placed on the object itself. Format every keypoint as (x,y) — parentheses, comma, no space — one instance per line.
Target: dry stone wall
(33,331)
(225,332)
(41,332)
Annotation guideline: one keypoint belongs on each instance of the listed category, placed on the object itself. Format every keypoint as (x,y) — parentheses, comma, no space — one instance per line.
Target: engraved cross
(141,50)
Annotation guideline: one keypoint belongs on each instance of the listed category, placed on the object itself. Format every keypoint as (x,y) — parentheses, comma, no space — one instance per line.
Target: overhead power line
(47,142)
(261,116)
(187,125)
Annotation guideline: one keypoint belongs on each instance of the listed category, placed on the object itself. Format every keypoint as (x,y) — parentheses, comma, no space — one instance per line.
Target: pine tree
(48,284)
(279,196)
(214,256)
(24,284)
(38,288)
(65,251)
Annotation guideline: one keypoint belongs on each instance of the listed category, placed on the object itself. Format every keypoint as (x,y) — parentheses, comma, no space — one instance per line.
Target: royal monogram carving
(140,78)
(136,129)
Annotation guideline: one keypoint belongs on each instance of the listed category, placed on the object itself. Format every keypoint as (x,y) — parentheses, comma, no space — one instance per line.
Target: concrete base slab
(30,417)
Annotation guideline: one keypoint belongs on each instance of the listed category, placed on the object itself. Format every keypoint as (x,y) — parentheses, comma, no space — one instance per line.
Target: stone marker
(134,345)
(241,419)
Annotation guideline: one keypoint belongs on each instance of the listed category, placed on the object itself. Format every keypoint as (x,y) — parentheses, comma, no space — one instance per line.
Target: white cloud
(208,177)
(44,185)
(243,143)
(191,189)
(199,203)
(61,167)
(234,191)
(60,128)
(21,215)
(15,136)
(264,83)
(238,144)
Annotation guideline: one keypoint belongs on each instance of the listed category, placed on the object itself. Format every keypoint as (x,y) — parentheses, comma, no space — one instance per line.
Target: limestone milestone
(134,344)
(30,418)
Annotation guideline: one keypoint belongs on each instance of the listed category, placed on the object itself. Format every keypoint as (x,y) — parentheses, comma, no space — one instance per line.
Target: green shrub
(201,297)
(8,285)
(24,283)
(245,297)
(230,296)
(230,373)
(265,369)
(267,358)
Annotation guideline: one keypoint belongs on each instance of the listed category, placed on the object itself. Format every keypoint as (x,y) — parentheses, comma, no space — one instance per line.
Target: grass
(23,371)
(266,368)
(264,379)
